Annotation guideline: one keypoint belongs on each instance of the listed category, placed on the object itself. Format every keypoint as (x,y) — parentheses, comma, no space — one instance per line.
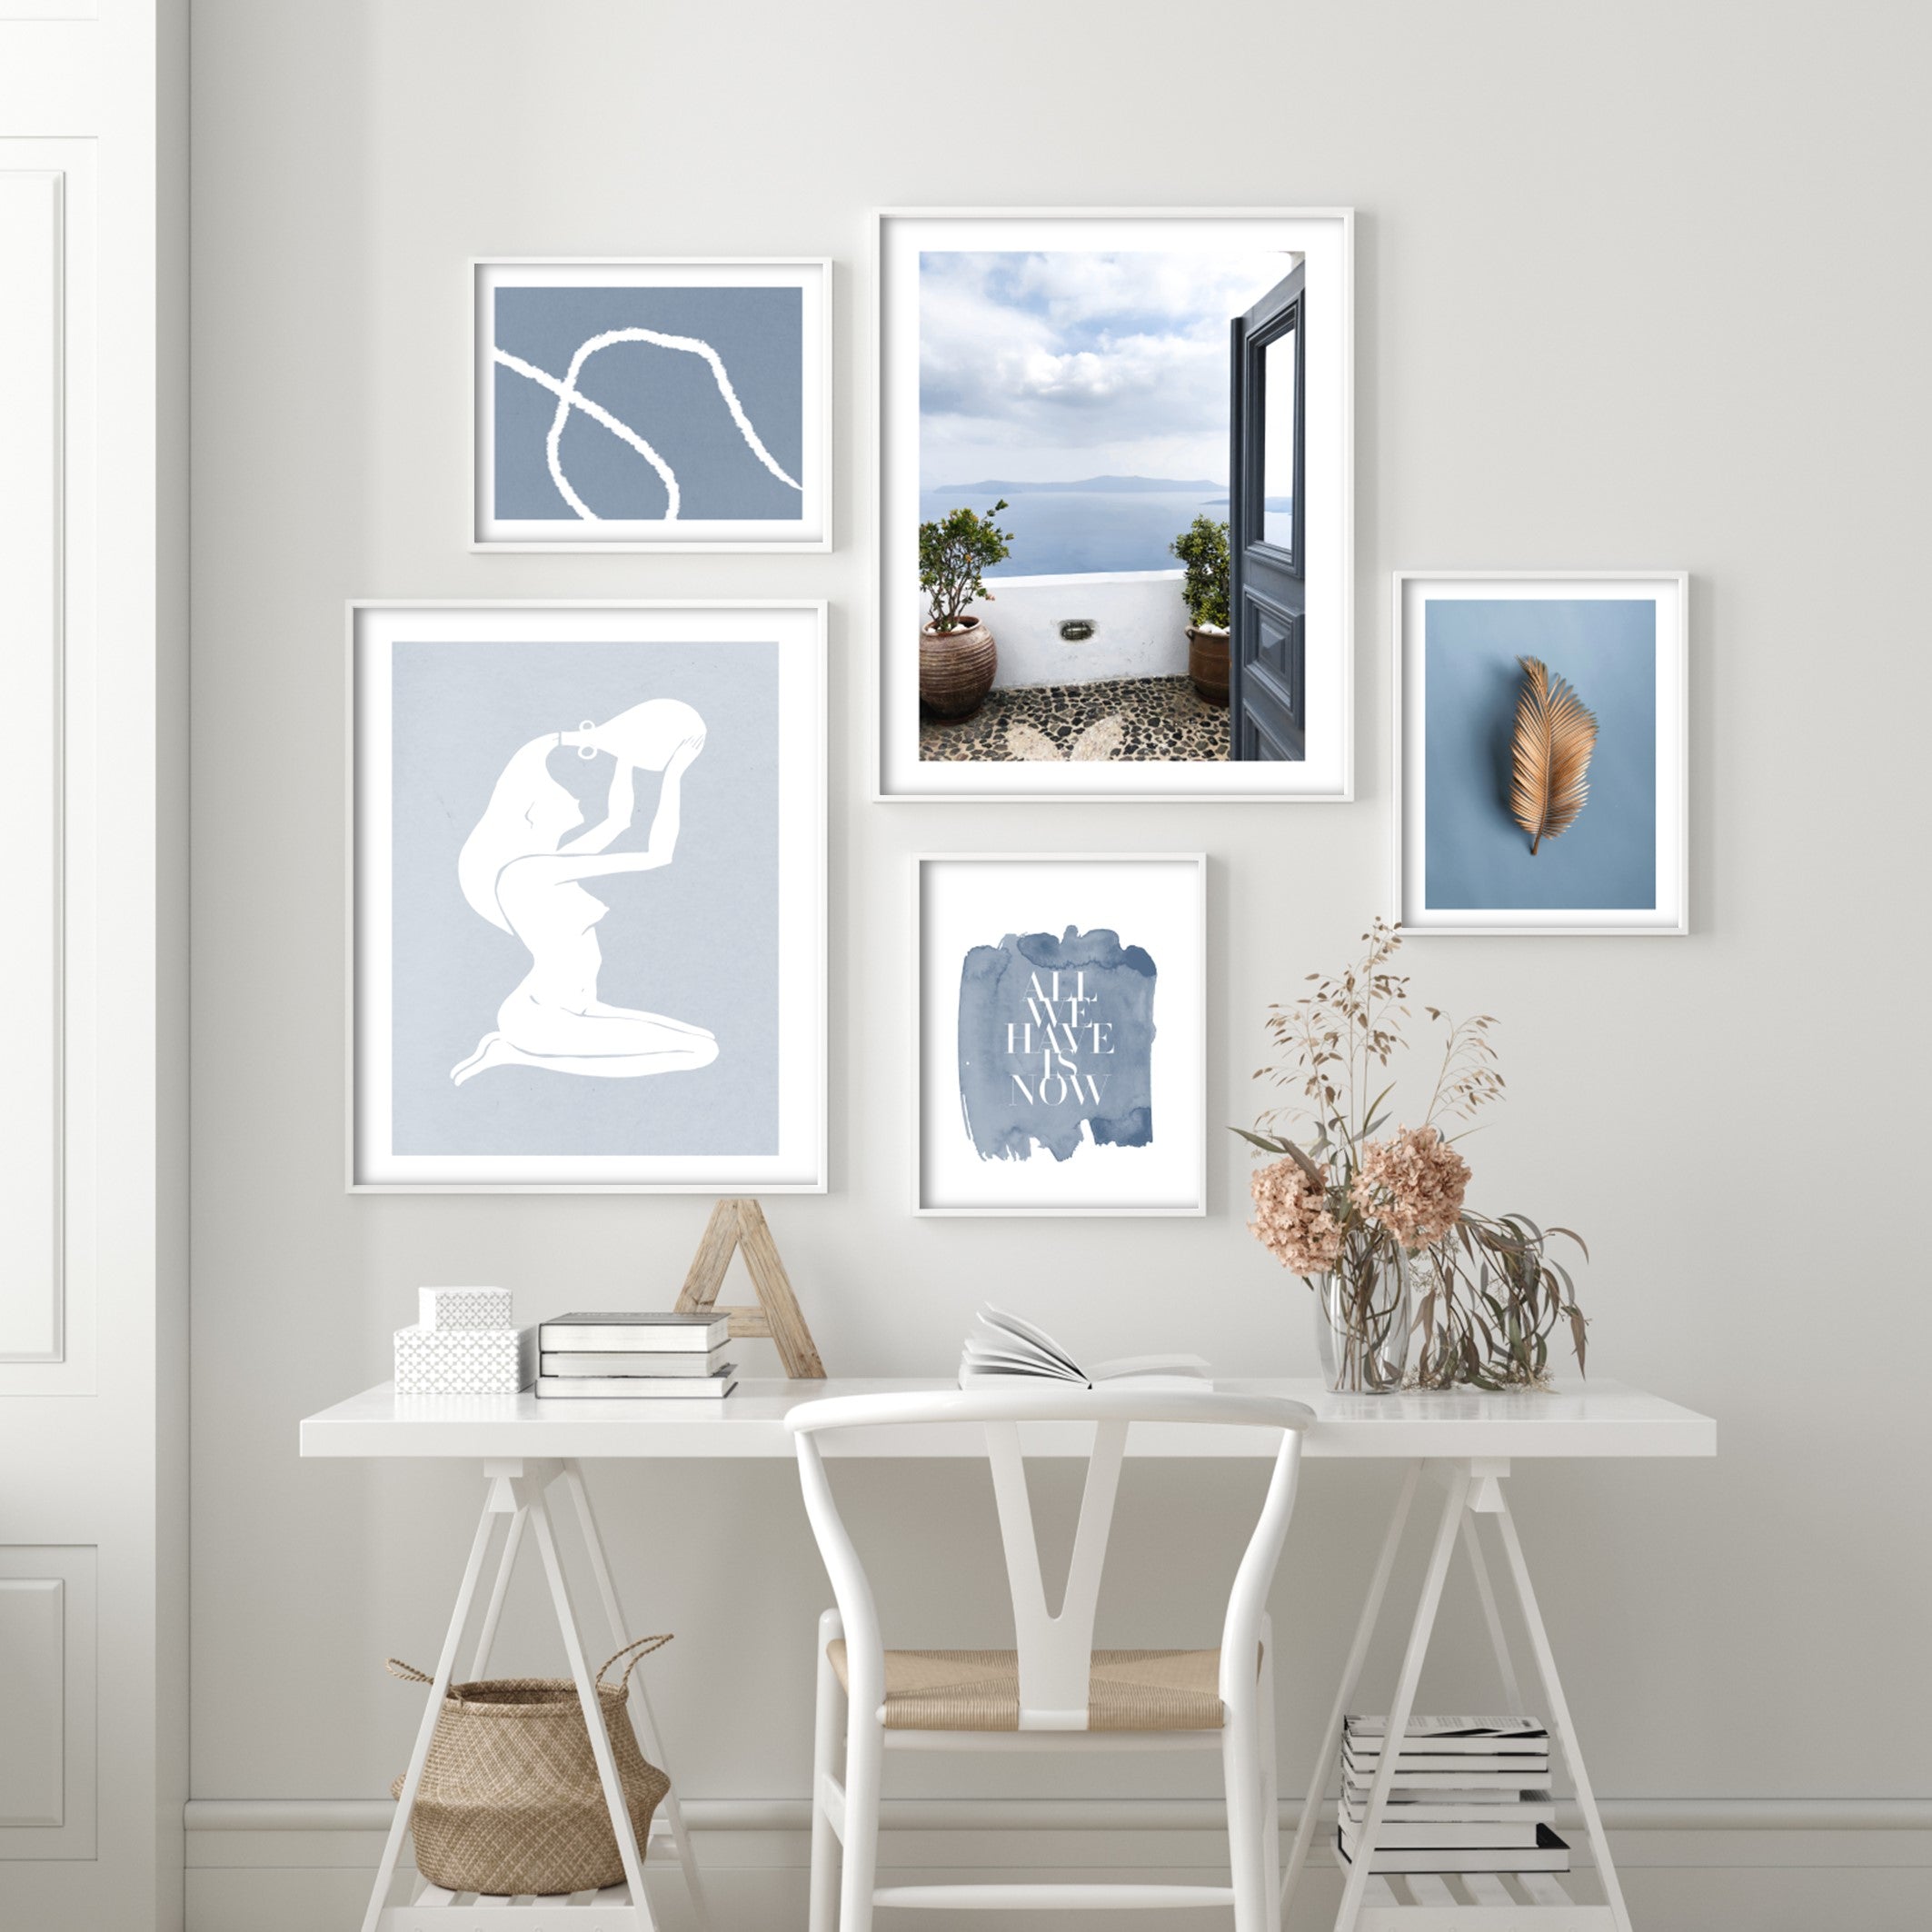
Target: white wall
(1140,627)
(1639,287)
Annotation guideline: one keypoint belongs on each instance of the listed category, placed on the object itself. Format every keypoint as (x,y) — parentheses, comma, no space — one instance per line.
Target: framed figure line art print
(1116,491)
(1542,752)
(1060,1028)
(652,405)
(587,896)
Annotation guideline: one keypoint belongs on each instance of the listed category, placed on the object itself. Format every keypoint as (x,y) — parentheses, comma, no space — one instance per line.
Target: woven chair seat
(978,1690)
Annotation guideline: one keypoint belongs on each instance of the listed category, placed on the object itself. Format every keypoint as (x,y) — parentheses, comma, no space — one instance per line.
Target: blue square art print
(1476,857)
(651,404)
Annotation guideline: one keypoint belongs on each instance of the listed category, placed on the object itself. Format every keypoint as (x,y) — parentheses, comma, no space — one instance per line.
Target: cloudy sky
(1049,368)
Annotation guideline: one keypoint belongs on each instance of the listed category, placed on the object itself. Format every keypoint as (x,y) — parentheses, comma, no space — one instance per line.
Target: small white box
(463,1307)
(464,1362)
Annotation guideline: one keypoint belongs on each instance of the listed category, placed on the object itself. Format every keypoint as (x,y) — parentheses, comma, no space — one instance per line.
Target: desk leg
(498,1501)
(1546,1665)
(1405,1698)
(643,1718)
(613,1791)
(1512,1690)
(494,1611)
(1350,1676)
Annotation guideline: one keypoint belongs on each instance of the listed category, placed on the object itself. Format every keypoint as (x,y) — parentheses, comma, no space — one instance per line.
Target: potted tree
(957,659)
(1202,549)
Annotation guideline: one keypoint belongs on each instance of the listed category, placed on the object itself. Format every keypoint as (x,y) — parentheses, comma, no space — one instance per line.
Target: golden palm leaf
(1555,735)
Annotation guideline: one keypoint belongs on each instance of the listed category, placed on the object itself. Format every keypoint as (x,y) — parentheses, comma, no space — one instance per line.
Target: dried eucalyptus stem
(1491,1296)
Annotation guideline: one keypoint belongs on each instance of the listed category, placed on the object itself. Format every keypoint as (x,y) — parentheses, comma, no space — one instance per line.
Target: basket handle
(636,1644)
(408,1674)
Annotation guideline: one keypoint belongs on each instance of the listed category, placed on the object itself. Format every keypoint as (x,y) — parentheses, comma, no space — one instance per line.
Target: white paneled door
(92,266)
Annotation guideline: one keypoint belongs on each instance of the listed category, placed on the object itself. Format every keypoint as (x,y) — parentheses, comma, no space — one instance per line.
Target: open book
(1002,1347)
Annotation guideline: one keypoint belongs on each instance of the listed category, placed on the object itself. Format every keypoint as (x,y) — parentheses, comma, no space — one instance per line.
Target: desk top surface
(1593,1419)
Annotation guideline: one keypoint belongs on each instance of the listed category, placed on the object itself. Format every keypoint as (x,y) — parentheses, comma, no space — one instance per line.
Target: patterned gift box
(464,1362)
(463,1307)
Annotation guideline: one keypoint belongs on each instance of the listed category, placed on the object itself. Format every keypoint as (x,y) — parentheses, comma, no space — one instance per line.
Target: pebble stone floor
(1121,718)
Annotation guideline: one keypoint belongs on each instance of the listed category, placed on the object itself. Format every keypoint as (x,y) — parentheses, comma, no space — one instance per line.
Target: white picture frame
(972,908)
(447,702)
(514,508)
(1459,886)
(1324,237)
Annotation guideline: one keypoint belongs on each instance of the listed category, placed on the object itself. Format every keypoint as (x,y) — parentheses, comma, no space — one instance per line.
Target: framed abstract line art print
(1115,503)
(587,896)
(1062,1035)
(652,405)
(1541,752)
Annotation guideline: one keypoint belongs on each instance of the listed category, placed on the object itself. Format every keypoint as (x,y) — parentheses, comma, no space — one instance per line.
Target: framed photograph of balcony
(651,404)
(1115,503)
(1541,752)
(587,896)
(1061,1035)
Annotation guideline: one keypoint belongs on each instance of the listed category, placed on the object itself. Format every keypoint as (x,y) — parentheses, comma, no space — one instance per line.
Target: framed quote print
(1116,487)
(1542,752)
(652,405)
(1061,1040)
(587,879)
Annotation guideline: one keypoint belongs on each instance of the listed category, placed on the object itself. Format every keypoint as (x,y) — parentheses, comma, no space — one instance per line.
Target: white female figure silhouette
(521,871)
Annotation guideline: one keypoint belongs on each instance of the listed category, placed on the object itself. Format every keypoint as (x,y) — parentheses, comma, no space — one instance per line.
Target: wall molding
(1140,1814)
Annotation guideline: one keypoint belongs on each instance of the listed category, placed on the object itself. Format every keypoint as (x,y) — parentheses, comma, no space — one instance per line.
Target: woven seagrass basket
(510,1801)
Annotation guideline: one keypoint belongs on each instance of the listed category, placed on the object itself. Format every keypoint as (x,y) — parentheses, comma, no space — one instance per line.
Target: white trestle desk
(1467,1440)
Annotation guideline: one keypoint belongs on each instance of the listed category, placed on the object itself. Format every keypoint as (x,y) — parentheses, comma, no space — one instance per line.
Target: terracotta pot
(1207,664)
(956,669)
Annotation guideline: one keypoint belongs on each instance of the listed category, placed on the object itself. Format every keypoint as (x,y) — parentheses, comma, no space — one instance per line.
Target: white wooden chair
(1054,1691)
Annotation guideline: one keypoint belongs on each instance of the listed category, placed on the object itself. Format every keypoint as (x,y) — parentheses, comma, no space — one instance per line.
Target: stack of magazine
(655,1358)
(1470,1795)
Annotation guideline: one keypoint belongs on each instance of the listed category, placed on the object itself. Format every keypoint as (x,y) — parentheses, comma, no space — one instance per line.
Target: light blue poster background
(669,396)
(695,941)
(1476,855)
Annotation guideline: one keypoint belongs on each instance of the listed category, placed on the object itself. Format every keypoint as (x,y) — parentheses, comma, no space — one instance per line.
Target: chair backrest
(1055,1646)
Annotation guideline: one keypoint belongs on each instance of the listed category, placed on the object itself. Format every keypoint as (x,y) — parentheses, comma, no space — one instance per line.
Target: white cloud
(1050,367)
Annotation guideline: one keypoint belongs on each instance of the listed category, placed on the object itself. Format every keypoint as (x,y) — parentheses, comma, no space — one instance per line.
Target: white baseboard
(1126,1814)
(1688,1865)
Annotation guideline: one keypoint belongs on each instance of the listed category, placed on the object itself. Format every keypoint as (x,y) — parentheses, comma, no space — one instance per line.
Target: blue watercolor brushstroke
(1090,1076)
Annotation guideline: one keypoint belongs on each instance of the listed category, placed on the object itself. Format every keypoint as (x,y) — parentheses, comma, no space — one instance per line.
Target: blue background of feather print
(1476,856)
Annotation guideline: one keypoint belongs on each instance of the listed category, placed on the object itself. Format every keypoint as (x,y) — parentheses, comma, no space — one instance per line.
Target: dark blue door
(1267,592)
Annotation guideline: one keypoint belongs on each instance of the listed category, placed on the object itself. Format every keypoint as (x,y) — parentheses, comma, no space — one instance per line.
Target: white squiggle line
(568,395)
(691,345)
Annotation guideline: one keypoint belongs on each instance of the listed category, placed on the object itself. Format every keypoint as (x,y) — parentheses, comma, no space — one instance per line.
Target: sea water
(1062,530)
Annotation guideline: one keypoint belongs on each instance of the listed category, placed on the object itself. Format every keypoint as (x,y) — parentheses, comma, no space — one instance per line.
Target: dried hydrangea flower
(1291,1216)
(1411,1185)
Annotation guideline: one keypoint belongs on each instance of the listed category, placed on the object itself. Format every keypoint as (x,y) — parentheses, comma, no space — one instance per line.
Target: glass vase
(1361,1318)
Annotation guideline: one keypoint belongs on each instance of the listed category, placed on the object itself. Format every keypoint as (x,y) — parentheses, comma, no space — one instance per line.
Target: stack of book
(1470,1795)
(652,1358)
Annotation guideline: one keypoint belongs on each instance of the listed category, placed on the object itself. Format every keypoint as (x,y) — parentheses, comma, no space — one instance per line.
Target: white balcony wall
(1140,627)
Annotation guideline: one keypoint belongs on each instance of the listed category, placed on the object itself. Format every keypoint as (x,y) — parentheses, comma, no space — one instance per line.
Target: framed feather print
(1541,752)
